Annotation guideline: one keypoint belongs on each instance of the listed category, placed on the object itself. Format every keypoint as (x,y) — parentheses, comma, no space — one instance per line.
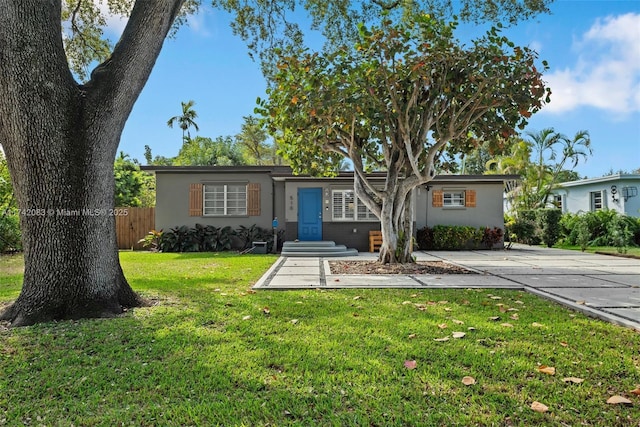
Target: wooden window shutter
(253,199)
(195,200)
(437,197)
(470,198)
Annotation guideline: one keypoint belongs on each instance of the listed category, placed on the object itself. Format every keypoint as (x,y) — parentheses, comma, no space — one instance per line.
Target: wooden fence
(133,226)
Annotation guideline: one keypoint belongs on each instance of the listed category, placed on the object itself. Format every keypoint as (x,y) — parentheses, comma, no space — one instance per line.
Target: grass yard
(632,251)
(213,352)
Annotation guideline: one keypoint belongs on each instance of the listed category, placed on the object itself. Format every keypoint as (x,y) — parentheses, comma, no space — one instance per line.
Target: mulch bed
(373,267)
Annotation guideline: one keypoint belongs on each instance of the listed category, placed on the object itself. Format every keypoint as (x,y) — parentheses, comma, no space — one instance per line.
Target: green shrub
(523,230)
(582,232)
(548,222)
(619,233)
(454,237)
(600,228)
(10,234)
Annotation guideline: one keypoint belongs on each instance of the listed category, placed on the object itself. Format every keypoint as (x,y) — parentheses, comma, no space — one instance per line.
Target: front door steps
(321,248)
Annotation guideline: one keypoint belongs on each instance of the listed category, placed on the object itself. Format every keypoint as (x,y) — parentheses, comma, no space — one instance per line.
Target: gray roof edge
(608,178)
(284,172)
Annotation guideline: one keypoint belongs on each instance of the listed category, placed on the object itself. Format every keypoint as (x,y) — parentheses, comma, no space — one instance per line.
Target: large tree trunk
(60,139)
(397,230)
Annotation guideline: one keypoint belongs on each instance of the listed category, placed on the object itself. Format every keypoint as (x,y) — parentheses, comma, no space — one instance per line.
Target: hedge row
(458,237)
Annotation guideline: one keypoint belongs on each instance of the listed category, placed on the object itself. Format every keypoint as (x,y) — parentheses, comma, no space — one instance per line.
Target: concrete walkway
(602,286)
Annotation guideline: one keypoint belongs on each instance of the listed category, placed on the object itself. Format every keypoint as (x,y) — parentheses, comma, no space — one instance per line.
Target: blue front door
(310,214)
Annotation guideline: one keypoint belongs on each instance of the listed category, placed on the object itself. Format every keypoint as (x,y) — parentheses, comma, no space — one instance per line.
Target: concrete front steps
(316,249)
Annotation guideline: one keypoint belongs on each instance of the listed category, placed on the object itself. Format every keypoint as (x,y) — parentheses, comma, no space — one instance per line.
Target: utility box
(259,248)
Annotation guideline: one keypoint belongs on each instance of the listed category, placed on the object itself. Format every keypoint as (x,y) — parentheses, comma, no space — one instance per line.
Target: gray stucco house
(619,192)
(310,208)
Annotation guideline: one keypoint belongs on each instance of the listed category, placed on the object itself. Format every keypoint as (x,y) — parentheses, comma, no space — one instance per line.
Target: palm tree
(543,143)
(185,120)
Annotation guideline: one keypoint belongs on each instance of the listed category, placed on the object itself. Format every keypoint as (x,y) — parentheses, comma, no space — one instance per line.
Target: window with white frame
(346,207)
(557,201)
(225,199)
(453,198)
(596,200)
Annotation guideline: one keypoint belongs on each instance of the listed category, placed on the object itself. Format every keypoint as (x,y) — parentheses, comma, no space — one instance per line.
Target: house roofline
(608,178)
(284,173)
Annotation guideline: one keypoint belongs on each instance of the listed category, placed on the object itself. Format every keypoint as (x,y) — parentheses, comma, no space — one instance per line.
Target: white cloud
(606,74)
(115,23)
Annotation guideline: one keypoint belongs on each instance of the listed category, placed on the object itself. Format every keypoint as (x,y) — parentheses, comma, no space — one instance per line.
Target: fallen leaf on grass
(506,325)
(514,316)
(468,380)
(411,336)
(410,364)
(636,391)
(266,311)
(458,322)
(442,326)
(494,318)
(294,321)
(616,400)
(406,302)
(574,380)
(537,325)
(495,297)
(246,318)
(443,339)
(539,407)
(458,335)
(357,297)
(564,344)
(549,370)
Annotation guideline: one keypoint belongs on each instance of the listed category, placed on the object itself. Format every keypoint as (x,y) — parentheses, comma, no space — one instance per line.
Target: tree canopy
(408,93)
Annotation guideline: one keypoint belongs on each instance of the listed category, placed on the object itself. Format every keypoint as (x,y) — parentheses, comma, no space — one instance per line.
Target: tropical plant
(152,240)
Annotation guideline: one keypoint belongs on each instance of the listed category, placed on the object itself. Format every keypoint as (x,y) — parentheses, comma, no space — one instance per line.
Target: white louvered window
(225,199)
(346,207)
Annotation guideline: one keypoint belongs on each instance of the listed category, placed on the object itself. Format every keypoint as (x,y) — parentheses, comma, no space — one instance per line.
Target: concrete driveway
(602,286)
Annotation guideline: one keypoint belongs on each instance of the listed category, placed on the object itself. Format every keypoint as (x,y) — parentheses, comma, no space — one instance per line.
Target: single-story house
(617,192)
(311,208)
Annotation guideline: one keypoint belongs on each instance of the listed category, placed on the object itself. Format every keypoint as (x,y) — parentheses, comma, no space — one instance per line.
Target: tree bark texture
(60,139)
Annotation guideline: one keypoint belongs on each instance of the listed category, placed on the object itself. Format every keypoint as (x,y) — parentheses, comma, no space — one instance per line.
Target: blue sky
(593,49)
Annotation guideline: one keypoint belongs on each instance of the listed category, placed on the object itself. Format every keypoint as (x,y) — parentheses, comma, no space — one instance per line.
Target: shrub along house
(311,208)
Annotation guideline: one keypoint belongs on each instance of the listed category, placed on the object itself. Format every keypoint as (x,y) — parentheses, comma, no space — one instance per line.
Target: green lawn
(633,251)
(213,352)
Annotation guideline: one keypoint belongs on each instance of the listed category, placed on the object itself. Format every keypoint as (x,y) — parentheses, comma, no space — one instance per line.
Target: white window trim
(226,208)
(592,200)
(356,215)
(452,195)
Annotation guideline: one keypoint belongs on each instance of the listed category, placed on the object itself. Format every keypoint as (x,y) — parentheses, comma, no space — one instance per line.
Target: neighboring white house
(618,192)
